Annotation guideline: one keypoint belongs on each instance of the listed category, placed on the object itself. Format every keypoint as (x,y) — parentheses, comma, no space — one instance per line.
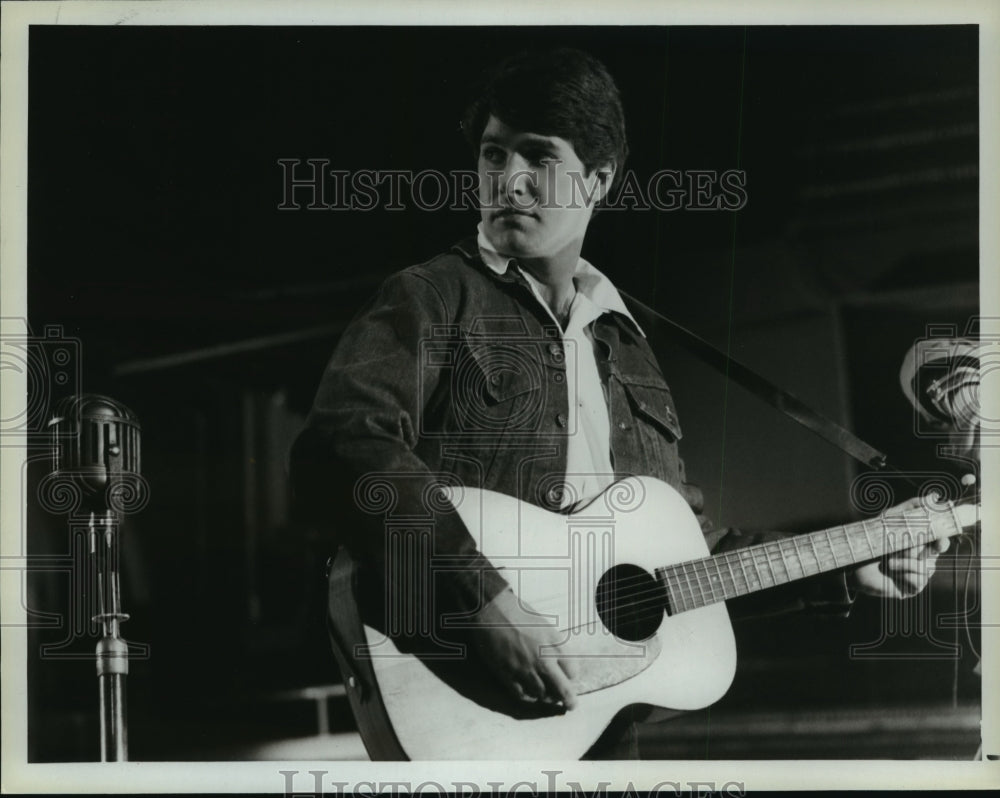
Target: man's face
(536,198)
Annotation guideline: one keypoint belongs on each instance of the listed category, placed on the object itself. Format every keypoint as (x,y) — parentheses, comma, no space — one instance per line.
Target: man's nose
(517,180)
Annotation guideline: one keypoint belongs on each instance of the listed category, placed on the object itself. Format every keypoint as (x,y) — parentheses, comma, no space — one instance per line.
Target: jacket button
(556,351)
(622,425)
(558,376)
(494,379)
(561,419)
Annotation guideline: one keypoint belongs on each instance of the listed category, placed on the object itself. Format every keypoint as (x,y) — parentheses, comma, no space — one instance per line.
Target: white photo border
(224,777)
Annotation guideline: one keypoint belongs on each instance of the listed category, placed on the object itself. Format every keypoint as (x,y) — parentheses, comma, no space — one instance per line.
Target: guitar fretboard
(697,583)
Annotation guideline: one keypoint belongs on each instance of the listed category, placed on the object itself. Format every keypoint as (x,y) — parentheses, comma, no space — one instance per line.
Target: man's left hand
(900,575)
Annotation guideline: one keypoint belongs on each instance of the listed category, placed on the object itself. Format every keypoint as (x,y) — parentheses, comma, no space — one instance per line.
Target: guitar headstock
(963,512)
(967,508)
(966,514)
(936,518)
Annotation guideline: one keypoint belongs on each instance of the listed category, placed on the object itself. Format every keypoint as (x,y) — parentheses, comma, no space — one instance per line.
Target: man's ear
(605,177)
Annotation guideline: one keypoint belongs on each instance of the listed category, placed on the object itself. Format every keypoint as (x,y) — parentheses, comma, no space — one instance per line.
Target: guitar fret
(868,540)
(781,556)
(705,579)
(732,575)
(666,577)
(812,544)
(675,577)
(766,548)
(685,596)
(676,593)
(700,599)
(701,586)
(722,582)
(754,571)
(687,578)
(833,552)
(690,585)
(706,574)
(746,580)
(798,554)
(846,557)
(702,581)
(847,538)
(841,536)
(850,545)
(767,559)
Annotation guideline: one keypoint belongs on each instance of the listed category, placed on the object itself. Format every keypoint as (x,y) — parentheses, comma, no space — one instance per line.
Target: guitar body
(581,574)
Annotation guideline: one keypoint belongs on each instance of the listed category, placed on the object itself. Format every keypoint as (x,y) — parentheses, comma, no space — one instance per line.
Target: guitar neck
(698,583)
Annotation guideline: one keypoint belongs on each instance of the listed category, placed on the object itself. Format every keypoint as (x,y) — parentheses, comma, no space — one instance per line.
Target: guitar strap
(757,385)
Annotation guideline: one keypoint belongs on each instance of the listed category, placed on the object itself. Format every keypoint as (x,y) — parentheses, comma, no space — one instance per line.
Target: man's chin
(511,242)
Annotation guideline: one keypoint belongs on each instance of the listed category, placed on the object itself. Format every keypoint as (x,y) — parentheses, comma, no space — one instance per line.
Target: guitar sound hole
(630,602)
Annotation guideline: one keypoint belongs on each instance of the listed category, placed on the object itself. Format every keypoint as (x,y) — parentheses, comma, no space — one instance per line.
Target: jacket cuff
(474,585)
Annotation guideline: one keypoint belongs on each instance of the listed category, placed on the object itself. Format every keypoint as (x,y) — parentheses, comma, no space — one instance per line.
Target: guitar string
(698,595)
(858,528)
(651,600)
(700,570)
(902,520)
(650,604)
(652,608)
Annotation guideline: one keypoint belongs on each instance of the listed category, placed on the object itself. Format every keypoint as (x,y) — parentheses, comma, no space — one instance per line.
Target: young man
(510,363)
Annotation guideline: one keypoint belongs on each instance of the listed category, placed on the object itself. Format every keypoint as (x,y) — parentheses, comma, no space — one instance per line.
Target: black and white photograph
(543,400)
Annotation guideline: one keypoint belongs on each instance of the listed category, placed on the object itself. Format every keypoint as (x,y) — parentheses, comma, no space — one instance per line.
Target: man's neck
(554,276)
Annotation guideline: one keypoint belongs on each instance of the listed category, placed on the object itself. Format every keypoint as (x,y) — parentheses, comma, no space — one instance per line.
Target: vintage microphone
(95,444)
(941,379)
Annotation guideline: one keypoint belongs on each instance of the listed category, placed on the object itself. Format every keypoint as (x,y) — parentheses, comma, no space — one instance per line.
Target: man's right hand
(521,653)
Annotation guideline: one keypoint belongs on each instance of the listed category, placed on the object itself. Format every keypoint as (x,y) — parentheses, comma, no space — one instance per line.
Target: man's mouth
(513,213)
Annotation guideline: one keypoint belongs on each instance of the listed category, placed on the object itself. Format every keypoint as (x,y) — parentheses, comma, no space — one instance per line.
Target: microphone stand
(95,448)
(112,650)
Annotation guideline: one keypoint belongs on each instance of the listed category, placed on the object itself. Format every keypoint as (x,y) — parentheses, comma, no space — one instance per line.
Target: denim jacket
(453,373)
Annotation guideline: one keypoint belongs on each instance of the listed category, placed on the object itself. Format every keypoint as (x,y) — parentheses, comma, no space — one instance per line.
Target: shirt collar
(590,282)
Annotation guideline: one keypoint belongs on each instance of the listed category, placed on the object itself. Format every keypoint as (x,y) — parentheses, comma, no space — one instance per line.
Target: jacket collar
(593,283)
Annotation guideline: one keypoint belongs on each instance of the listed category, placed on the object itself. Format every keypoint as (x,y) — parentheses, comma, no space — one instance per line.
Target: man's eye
(541,158)
(493,155)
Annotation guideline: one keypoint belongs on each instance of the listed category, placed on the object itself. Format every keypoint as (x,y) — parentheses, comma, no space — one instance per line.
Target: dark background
(155,239)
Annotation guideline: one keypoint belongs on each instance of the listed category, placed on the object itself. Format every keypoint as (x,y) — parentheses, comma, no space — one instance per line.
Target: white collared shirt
(588,445)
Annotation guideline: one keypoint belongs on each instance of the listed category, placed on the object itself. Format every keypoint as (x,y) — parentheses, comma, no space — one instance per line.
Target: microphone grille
(93,438)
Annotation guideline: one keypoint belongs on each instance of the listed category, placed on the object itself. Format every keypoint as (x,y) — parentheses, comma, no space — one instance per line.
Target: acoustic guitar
(628,583)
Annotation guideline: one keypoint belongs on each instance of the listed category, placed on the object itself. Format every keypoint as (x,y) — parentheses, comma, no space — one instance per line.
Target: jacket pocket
(498,384)
(653,403)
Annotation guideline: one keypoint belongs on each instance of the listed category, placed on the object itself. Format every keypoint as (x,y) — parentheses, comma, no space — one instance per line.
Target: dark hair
(562,92)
